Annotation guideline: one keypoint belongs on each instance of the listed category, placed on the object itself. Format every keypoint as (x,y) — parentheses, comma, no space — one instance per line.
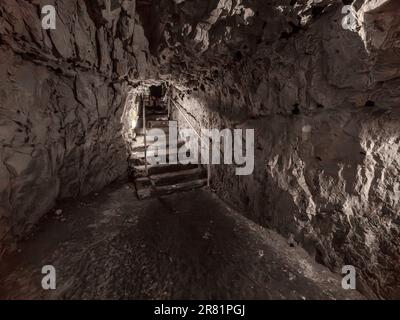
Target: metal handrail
(200,137)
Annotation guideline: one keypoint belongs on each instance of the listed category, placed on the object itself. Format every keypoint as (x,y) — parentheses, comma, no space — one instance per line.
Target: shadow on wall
(330,183)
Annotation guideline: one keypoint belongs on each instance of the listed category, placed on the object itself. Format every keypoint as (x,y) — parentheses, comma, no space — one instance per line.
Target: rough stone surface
(324,105)
(114,246)
(323,100)
(62,96)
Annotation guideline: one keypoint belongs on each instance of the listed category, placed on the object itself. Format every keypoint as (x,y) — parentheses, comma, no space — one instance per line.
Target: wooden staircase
(156,180)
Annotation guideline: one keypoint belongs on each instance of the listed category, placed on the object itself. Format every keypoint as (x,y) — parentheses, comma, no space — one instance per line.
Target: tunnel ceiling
(224,47)
(236,49)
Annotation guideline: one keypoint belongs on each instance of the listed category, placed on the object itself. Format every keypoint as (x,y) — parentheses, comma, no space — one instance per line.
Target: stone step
(155,191)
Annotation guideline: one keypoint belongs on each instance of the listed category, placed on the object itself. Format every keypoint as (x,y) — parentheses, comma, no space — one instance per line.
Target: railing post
(169,106)
(145,135)
(209,167)
(200,143)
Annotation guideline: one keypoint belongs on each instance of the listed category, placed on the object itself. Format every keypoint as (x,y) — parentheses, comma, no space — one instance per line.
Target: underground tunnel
(200,149)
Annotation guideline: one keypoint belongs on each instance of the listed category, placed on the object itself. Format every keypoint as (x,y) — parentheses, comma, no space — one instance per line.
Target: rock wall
(322,98)
(62,94)
(328,181)
(324,103)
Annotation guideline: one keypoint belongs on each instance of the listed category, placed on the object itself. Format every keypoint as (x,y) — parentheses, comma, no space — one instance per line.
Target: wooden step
(162,152)
(140,171)
(134,162)
(157,123)
(154,122)
(154,191)
(139,140)
(139,146)
(138,158)
(155,111)
(140,131)
(156,117)
(173,177)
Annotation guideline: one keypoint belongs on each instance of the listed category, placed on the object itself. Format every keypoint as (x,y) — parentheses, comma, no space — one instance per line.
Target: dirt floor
(184,246)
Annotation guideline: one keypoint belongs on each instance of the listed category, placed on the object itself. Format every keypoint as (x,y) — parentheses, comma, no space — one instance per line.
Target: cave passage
(161,234)
(200,149)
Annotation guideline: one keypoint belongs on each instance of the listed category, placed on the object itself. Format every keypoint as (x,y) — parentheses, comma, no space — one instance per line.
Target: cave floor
(189,245)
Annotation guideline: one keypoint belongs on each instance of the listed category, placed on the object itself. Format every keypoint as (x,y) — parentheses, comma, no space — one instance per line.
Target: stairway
(161,179)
